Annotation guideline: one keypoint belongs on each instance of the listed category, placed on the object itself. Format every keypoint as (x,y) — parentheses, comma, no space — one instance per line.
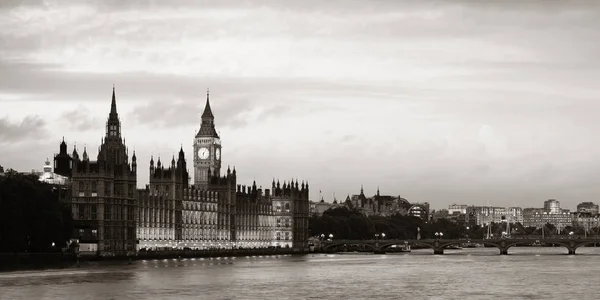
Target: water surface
(527,273)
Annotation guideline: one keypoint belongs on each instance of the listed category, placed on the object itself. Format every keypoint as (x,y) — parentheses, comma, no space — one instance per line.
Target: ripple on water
(527,273)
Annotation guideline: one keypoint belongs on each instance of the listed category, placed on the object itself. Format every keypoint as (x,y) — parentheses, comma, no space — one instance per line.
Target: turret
(75,154)
(181,157)
(134,162)
(151,164)
(63,147)
(85,155)
(158,164)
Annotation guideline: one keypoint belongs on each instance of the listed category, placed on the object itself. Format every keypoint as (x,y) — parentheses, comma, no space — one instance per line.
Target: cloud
(440,101)
(31,127)
(80,119)
(231,112)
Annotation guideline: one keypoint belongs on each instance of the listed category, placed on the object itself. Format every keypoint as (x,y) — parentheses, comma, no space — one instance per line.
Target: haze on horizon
(464,102)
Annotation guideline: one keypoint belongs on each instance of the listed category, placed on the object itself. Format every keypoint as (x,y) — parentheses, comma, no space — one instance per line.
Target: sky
(468,102)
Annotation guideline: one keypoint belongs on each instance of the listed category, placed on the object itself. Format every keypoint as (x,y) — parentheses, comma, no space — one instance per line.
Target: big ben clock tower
(207,149)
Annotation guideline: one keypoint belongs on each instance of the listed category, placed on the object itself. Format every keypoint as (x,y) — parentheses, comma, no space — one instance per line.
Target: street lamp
(571,234)
(331,236)
(377,236)
(439,235)
(383,236)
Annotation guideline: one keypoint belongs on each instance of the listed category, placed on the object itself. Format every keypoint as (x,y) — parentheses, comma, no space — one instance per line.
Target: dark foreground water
(527,273)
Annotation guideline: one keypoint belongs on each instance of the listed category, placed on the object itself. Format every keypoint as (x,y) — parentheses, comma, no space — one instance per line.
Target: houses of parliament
(113,217)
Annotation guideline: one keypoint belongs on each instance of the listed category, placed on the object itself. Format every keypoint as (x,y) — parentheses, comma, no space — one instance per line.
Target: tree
(31,216)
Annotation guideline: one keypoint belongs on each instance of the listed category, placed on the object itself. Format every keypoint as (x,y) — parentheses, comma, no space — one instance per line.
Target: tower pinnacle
(113,104)
(207,111)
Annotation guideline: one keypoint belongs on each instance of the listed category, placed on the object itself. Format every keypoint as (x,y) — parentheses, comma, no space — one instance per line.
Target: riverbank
(41,261)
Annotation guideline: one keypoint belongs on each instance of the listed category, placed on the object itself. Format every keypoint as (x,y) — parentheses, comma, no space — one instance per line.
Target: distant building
(552,206)
(216,212)
(457,208)
(318,208)
(483,215)
(515,215)
(112,217)
(551,213)
(103,195)
(586,220)
(1,171)
(440,214)
(385,205)
(419,210)
(587,207)
(52,178)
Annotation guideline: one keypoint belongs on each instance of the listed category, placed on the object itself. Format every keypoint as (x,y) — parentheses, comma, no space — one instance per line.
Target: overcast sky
(445,102)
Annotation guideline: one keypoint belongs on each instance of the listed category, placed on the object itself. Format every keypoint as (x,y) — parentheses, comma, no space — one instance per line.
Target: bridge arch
(581,244)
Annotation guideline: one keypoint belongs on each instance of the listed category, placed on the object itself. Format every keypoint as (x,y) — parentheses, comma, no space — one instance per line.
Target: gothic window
(81,186)
(287,207)
(94,187)
(107,212)
(81,212)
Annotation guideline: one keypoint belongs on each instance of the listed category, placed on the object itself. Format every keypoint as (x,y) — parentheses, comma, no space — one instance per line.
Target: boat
(454,247)
(400,248)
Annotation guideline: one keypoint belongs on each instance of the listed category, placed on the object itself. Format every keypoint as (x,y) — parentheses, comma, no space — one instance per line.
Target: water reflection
(526,273)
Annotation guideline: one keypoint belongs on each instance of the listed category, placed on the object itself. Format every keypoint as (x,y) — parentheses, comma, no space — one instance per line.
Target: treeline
(31,216)
(344,223)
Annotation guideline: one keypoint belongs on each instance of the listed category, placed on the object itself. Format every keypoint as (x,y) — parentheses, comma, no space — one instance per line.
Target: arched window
(81,186)
(287,207)
(94,186)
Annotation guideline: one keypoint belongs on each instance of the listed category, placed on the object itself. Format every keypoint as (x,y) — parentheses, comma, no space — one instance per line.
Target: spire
(362,191)
(207,111)
(63,146)
(75,154)
(85,155)
(113,104)
(207,127)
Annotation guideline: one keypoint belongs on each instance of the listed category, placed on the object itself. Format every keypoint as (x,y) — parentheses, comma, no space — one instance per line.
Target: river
(526,273)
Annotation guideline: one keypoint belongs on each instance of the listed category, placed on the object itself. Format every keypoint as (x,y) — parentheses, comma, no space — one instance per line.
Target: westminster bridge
(438,245)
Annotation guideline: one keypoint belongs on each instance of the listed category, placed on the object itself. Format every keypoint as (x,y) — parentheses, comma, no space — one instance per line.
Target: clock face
(203,153)
(218,153)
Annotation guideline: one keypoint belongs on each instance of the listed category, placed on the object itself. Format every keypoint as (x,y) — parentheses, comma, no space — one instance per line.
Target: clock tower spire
(207,148)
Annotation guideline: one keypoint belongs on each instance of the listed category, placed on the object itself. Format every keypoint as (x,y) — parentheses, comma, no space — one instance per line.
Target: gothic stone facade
(216,212)
(103,193)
